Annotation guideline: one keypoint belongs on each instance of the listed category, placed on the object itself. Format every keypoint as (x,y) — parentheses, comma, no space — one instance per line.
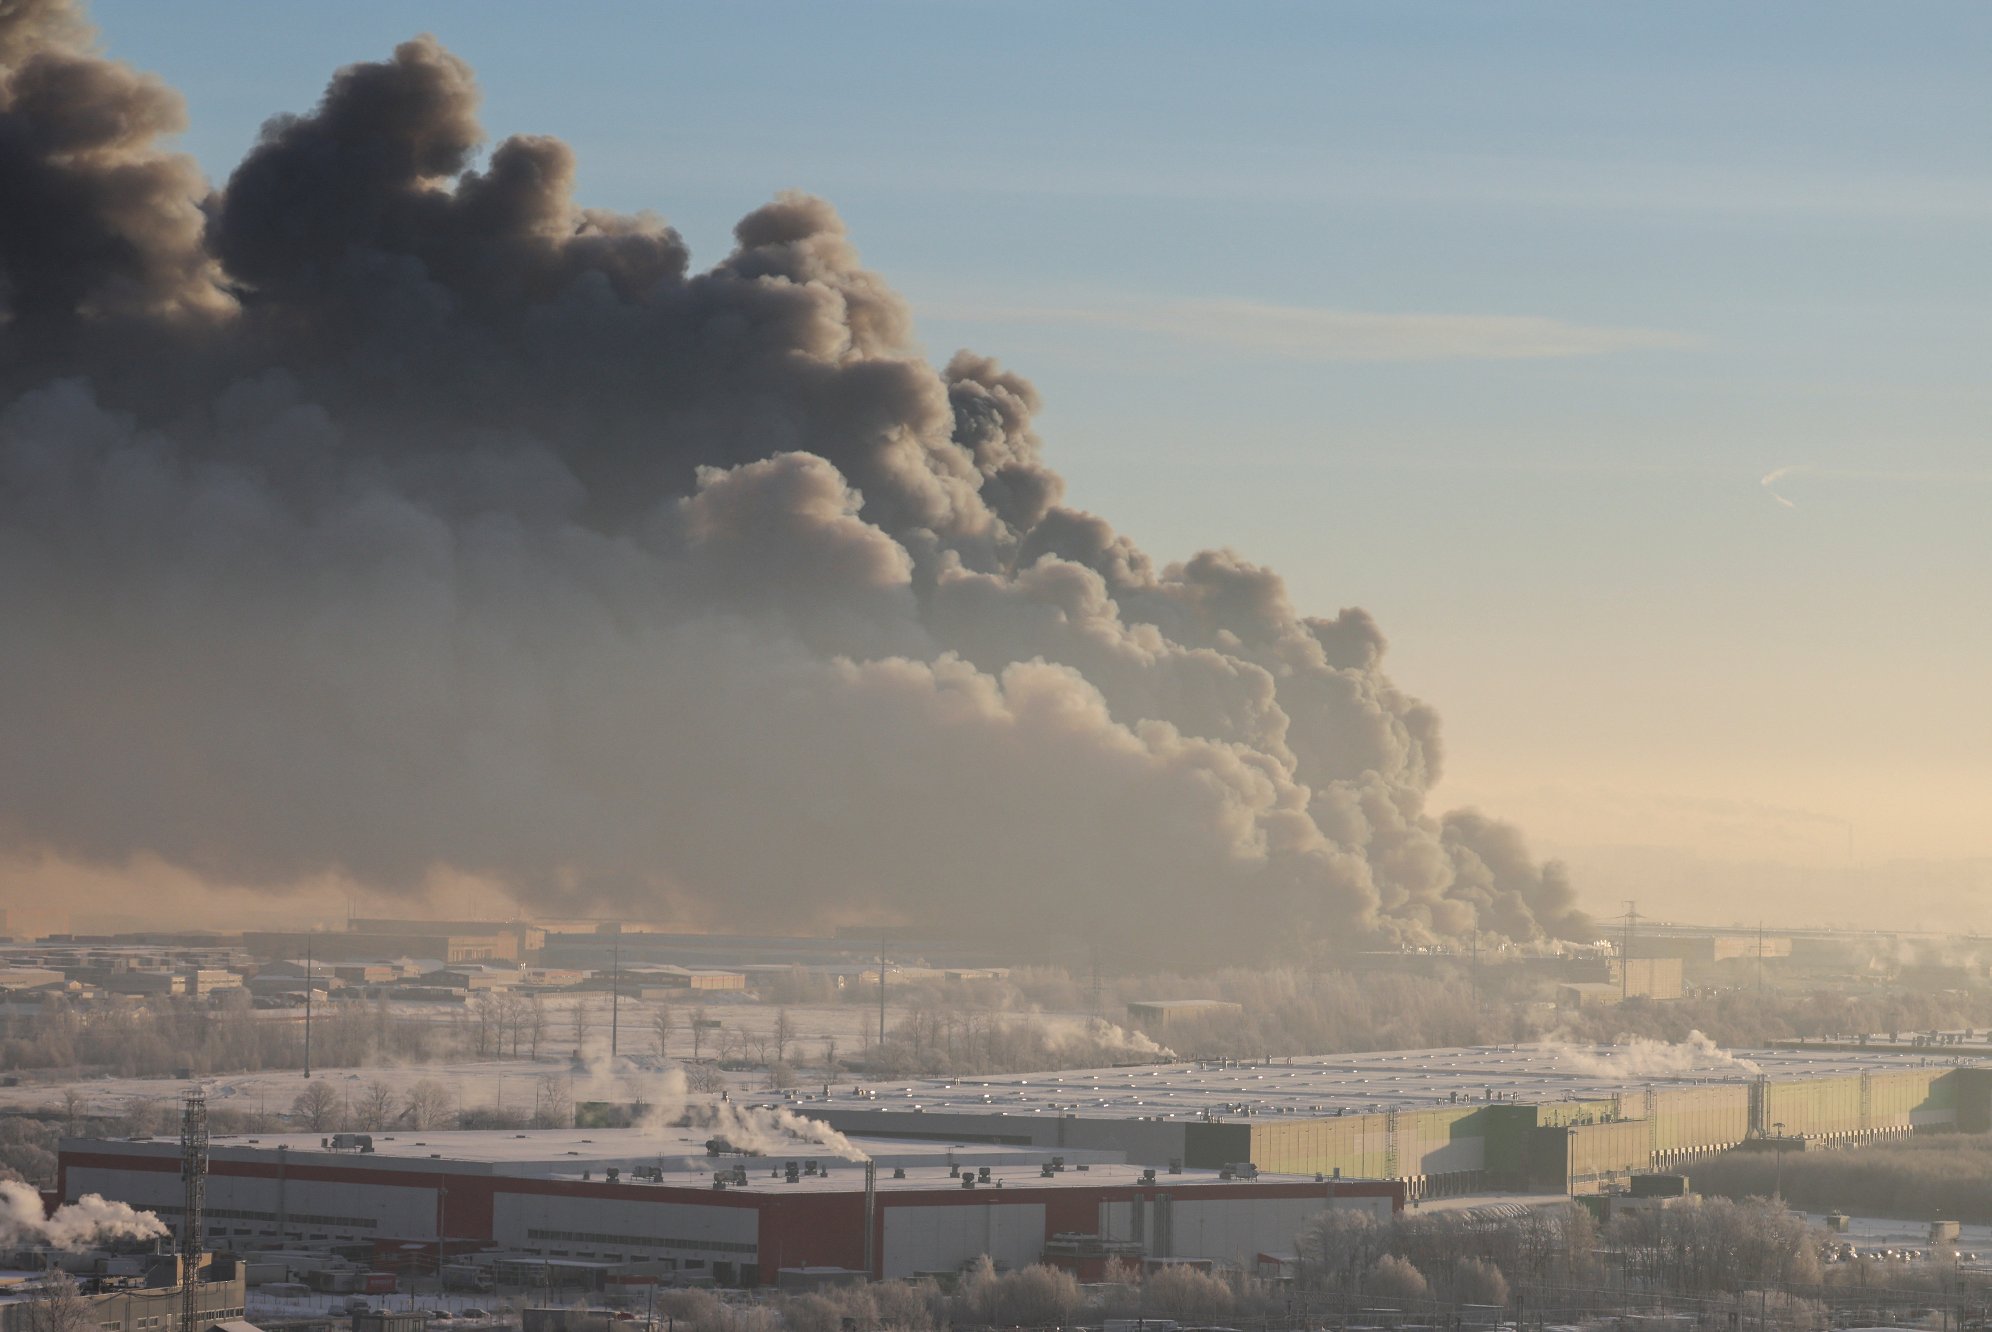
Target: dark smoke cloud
(387,510)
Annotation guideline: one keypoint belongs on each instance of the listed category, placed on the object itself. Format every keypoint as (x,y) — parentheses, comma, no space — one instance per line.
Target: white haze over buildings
(91,1219)
(1641,1057)
(384,510)
(660,1088)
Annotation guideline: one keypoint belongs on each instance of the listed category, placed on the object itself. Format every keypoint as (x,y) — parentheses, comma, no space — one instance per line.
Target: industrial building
(1156,1017)
(1531,1117)
(678,1205)
(150,1298)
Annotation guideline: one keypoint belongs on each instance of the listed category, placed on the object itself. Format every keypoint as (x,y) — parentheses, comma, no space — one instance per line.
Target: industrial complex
(585,1207)
(1541,1118)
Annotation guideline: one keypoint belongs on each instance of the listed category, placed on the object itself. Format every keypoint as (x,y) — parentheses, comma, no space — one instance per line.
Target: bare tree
(316,1107)
(578,1017)
(535,1026)
(703,1078)
(511,1020)
(553,1103)
(830,1054)
(660,1028)
(375,1107)
(55,1305)
(428,1104)
(783,1034)
(699,1021)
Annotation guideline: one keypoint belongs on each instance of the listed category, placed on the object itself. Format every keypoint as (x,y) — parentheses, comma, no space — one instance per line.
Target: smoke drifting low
(89,1220)
(386,510)
(1640,1057)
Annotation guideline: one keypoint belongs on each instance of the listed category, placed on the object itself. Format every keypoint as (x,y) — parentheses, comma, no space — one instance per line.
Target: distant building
(654,982)
(1156,1016)
(1648,977)
(14,979)
(528,939)
(1708,949)
(419,939)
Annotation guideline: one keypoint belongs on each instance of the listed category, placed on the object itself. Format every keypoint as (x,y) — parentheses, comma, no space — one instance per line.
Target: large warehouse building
(621,1198)
(1534,1117)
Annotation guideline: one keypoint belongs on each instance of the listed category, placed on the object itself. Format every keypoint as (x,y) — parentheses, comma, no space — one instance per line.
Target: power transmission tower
(193,1171)
(1625,951)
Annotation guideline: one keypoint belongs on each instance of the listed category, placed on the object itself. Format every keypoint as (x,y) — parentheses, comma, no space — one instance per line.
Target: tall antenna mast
(881,993)
(193,1171)
(1625,956)
(309,981)
(615,988)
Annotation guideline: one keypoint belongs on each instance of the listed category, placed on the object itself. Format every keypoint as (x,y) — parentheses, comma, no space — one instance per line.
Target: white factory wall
(1236,1229)
(1229,1229)
(940,1239)
(243,1207)
(613,1230)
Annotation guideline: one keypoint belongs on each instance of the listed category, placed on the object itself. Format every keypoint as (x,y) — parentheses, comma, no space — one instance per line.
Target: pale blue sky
(1747,237)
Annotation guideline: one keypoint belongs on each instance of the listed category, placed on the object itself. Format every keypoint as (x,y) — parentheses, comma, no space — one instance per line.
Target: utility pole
(309,981)
(1098,1013)
(871,1218)
(1760,955)
(615,988)
(1625,952)
(881,992)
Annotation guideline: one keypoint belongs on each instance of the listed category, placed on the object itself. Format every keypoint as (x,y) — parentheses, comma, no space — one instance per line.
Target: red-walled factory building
(662,1200)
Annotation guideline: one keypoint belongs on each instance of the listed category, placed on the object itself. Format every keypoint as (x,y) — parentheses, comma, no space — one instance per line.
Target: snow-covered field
(746,1035)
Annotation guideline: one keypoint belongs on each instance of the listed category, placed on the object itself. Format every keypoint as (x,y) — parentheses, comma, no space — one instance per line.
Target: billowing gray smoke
(384,511)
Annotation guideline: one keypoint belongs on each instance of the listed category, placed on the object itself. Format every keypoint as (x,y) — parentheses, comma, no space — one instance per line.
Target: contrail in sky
(1771,479)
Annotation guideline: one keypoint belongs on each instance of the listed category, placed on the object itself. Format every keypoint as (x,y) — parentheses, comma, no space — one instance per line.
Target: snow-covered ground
(746,1035)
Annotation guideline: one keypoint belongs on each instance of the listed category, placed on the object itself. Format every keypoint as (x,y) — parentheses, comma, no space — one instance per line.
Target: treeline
(168,1038)
(1942,1176)
(1030,1297)
(1745,1017)
(1724,1262)
(1299,1011)
(975,1027)
(174,1037)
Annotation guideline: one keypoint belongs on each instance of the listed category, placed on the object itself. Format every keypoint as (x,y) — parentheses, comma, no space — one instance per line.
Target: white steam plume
(767,1129)
(1096,1037)
(91,1219)
(1640,1057)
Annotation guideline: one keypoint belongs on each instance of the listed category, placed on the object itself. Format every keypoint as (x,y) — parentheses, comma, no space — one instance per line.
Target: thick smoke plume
(89,1220)
(386,510)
